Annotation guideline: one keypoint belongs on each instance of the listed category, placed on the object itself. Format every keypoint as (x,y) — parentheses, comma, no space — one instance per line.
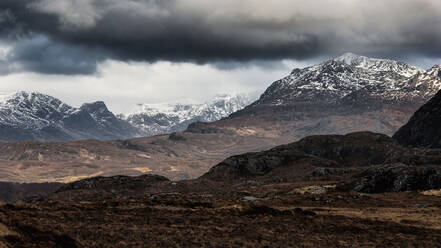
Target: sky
(135,51)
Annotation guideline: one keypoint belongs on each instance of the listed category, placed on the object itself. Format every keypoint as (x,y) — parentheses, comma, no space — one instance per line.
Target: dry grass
(5,231)
(418,217)
(433,192)
(313,189)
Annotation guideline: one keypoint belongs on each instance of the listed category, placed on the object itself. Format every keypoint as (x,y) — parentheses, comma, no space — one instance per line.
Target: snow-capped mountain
(427,83)
(345,94)
(334,79)
(35,116)
(171,117)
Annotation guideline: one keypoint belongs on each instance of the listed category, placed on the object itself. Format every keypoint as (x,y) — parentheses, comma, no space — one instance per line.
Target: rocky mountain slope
(346,94)
(333,80)
(35,116)
(423,129)
(164,118)
(324,155)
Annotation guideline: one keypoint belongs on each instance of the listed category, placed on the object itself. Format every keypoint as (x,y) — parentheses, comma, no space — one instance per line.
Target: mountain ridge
(334,79)
(36,116)
(165,118)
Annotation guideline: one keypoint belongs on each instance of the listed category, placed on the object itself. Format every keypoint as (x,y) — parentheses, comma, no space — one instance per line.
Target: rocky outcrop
(303,158)
(396,178)
(252,165)
(352,150)
(423,129)
(10,192)
(113,183)
(324,156)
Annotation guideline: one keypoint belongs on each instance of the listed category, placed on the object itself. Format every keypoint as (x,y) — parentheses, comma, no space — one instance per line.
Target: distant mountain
(346,94)
(35,116)
(172,117)
(333,80)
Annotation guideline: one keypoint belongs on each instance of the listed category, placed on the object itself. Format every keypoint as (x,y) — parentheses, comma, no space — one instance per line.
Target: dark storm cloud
(39,54)
(80,33)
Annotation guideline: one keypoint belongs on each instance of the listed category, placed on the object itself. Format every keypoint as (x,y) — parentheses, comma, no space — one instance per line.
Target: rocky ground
(203,213)
(357,190)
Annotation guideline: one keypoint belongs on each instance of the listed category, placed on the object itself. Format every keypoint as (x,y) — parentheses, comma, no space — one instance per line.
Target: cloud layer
(71,37)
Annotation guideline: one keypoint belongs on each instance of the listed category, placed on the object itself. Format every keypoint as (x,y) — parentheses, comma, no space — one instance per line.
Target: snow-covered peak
(33,101)
(36,116)
(378,65)
(187,108)
(31,110)
(168,117)
(352,58)
(435,71)
(334,79)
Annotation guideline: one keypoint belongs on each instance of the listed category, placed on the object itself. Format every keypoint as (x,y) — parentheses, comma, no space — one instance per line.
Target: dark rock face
(337,155)
(108,126)
(396,178)
(10,192)
(351,150)
(113,183)
(423,129)
(252,165)
(309,154)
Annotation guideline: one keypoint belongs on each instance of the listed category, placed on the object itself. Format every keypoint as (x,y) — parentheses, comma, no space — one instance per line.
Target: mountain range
(35,116)
(165,118)
(347,94)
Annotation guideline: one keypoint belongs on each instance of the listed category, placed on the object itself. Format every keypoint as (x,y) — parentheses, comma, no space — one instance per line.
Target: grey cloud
(225,31)
(39,54)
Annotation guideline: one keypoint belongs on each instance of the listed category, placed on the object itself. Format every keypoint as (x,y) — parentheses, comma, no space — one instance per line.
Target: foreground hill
(423,129)
(35,116)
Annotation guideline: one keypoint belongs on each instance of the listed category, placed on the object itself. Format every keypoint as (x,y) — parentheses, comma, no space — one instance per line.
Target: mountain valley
(248,180)
(356,94)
